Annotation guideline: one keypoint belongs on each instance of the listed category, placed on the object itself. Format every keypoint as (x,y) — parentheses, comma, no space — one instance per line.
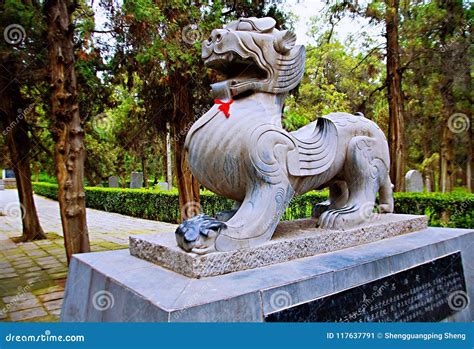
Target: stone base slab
(114,286)
(292,240)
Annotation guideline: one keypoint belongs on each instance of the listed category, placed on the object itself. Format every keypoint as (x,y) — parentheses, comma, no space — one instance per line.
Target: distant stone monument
(250,267)
(9,179)
(136,180)
(113,182)
(163,185)
(414,181)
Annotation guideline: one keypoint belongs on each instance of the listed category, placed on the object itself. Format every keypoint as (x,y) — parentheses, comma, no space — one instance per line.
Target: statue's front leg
(252,224)
(256,220)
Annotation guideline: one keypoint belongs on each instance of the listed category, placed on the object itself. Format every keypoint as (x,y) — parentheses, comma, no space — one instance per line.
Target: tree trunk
(396,127)
(448,71)
(67,129)
(144,170)
(468,111)
(15,128)
(37,171)
(469,179)
(169,174)
(188,186)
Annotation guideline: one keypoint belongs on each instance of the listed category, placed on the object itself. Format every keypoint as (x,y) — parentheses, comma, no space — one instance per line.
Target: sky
(303,10)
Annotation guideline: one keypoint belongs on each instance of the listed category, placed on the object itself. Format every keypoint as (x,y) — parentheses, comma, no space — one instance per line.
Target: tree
(67,127)
(19,69)
(386,11)
(396,126)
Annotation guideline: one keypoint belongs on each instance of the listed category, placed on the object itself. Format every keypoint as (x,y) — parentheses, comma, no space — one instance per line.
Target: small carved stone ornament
(239,149)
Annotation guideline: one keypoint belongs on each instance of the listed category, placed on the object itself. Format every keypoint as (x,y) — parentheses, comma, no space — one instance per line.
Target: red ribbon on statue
(224,106)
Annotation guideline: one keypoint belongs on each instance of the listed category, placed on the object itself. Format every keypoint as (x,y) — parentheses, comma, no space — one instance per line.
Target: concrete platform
(292,240)
(115,286)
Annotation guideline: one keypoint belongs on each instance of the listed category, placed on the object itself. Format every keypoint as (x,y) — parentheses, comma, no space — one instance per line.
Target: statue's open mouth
(232,66)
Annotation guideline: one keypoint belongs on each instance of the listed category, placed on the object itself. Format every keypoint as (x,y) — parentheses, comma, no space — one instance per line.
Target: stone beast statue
(239,149)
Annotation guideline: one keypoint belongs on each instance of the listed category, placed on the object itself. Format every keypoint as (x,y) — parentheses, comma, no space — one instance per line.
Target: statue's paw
(344,218)
(320,208)
(198,234)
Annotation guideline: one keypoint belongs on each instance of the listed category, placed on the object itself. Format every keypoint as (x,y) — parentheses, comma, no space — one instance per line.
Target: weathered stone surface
(27,314)
(292,240)
(144,291)
(51,296)
(113,182)
(239,149)
(136,180)
(414,181)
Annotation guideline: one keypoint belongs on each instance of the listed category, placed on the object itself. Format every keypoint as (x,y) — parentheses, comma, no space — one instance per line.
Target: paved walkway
(33,274)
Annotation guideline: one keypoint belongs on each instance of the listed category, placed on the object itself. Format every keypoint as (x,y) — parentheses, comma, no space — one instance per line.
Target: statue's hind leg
(365,170)
(338,195)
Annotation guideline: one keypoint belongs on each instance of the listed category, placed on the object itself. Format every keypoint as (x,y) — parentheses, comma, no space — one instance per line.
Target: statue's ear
(284,41)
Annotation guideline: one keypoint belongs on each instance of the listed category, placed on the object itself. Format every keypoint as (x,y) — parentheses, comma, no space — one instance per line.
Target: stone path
(33,274)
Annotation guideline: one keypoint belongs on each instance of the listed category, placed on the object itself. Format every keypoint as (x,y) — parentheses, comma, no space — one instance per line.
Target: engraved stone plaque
(425,293)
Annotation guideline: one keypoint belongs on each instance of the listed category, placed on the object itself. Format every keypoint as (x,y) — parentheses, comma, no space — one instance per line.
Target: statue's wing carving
(309,151)
(317,148)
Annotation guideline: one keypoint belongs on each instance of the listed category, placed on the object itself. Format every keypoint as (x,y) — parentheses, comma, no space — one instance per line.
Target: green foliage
(447,210)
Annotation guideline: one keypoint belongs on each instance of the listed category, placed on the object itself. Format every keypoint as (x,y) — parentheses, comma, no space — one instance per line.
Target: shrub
(442,209)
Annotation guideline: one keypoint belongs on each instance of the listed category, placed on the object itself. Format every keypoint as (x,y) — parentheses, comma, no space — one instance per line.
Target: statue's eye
(210,39)
(218,37)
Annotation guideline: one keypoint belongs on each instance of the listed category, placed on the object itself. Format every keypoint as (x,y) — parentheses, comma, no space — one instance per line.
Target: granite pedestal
(292,240)
(426,275)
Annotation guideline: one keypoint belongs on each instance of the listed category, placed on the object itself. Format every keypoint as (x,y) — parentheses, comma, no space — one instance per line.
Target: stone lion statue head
(253,55)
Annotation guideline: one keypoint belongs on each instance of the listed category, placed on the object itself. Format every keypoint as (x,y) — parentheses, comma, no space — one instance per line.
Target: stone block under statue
(427,275)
